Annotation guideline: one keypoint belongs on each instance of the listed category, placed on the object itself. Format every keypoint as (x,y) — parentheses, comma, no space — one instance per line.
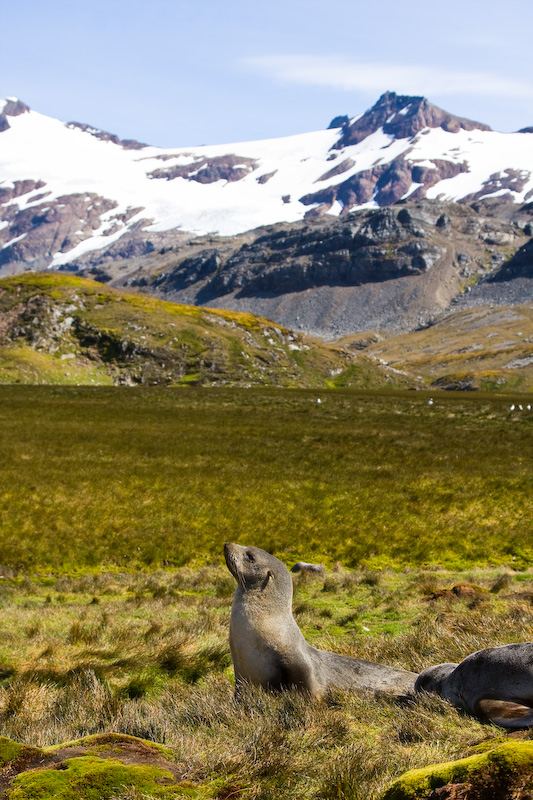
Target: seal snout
(230,554)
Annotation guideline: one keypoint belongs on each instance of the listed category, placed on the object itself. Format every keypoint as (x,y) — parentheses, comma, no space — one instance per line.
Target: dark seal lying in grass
(495,684)
(268,648)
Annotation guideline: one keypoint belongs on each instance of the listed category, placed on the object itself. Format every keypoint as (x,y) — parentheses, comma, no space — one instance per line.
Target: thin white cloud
(345,74)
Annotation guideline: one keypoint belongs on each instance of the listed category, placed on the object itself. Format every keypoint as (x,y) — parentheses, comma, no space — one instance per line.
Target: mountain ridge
(382,222)
(67,189)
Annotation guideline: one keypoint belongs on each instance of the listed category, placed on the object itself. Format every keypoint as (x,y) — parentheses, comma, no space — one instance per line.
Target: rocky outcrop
(12,108)
(520,265)
(18,189)
(384,184)
(394,268)
(402,117)
(510,179)
(191,270)
(105,136)
(208,170)
(33,235)
(364,247)
(344,166)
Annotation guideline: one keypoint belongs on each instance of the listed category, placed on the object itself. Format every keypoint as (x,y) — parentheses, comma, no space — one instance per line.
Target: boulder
(502,773)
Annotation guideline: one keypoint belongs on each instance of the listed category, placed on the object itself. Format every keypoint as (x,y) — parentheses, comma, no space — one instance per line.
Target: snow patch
(13,241)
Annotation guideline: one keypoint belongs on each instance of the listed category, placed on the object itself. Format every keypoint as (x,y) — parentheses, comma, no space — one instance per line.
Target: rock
(460,383)
(35,234)
(520,265)
(461,591)
(339,122)
(444,223)
(403,117)
(12,108)
(385,184)
(304,566)
(105,136)
(502,773)
(191,270)
(209,170)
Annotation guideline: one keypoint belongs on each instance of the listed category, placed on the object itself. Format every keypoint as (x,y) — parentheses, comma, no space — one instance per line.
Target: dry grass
(150,658)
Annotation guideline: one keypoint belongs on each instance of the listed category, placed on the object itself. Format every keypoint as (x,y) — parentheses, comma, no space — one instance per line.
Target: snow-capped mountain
(68,189)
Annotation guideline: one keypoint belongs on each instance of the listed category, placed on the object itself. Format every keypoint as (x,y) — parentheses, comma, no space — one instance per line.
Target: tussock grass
(151,659)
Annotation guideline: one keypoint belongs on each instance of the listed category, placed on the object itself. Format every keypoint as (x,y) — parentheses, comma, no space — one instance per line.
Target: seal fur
(495,684)
(268,648)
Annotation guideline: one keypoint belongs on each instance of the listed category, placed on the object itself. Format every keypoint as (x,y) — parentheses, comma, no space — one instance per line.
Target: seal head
(431,679)
(259,573)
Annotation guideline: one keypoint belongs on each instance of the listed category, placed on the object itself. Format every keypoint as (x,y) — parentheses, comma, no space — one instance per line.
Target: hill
(484,347)
(64,329)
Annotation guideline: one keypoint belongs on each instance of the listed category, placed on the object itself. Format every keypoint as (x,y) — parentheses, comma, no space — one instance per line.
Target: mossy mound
(499,774)
(94,768)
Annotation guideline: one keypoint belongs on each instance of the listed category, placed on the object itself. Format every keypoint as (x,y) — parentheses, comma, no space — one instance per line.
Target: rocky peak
(12,107)
(402,117)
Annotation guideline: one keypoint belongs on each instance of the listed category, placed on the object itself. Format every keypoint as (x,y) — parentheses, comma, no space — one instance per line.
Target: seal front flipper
(505,713)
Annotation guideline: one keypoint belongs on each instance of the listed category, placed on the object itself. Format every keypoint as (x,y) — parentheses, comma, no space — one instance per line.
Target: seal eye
(250,557)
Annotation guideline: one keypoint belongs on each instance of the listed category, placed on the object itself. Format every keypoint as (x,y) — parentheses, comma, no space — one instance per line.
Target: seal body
(495,684)
(269,649)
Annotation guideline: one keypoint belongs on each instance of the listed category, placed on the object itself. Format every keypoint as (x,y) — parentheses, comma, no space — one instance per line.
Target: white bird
(319,400)
(511,407)
(430,401)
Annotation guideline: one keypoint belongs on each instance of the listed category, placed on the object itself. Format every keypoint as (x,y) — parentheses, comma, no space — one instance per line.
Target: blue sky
(174,73)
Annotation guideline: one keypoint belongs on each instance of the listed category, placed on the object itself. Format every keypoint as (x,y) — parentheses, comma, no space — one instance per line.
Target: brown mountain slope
(479,348)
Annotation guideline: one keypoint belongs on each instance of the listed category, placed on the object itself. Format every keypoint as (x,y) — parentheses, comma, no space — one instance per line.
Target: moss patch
(89,778)
(13,751)
(499,769)
(101,767)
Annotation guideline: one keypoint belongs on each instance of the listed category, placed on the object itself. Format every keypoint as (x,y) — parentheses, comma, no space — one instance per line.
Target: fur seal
(268,648)
(495,684)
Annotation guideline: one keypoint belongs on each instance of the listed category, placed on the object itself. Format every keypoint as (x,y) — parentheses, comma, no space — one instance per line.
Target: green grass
(148,477)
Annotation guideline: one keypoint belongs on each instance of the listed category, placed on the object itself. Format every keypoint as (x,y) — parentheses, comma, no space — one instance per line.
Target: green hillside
(60,329)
